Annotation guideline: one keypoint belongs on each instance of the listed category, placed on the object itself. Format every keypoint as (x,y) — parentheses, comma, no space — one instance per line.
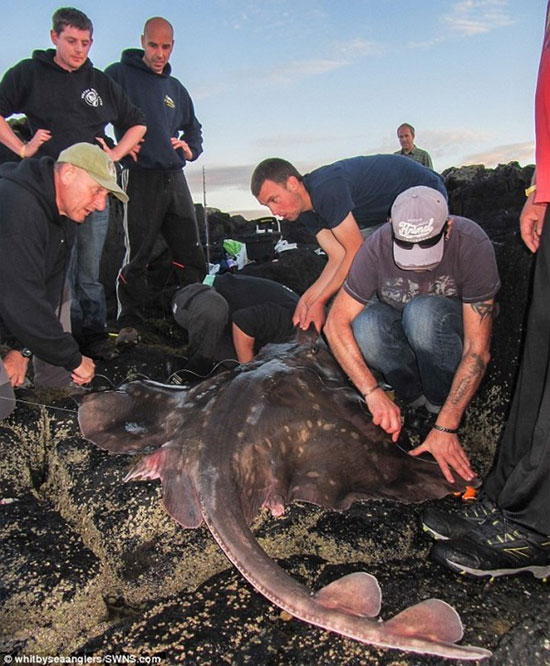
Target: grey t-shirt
(468,270)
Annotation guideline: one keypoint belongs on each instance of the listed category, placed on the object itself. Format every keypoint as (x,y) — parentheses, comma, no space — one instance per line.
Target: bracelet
(371,390)
(23,151)
(530,190)
(451,431)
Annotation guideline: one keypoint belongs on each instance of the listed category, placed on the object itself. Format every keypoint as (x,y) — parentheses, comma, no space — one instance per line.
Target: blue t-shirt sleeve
(332,202)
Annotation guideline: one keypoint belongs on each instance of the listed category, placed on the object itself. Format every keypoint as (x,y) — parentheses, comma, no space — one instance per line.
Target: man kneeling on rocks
(40,202)
(232,315)
(417,307)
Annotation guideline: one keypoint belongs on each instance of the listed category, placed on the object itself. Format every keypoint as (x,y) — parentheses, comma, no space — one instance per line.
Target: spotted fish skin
(285,427)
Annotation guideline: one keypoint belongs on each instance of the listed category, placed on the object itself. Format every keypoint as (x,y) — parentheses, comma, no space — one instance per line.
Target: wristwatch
(25,352)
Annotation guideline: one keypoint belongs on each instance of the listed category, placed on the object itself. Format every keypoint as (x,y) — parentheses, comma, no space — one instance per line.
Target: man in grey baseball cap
(40,202)
(416,311)
(420,220)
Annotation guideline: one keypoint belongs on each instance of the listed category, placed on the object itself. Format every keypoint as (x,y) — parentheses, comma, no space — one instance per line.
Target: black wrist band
(451,431)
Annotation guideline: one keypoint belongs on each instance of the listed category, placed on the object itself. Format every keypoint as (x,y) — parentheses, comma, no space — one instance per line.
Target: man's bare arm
(340,244)
(243,343)
(10,139)
(531,220)
(385,412)
(445,447)
(127,143)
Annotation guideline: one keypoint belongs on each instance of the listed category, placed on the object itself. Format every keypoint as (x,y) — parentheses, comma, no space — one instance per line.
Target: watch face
(27,353)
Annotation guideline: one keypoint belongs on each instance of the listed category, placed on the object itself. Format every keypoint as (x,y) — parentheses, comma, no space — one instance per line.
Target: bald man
(160,201)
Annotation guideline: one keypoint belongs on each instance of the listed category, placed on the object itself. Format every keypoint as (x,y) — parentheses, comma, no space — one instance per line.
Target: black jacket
(168,111)
(74,106)
(35,245)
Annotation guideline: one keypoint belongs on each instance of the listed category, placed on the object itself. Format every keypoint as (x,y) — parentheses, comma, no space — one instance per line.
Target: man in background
(66,101)
(160,201)
(405,134)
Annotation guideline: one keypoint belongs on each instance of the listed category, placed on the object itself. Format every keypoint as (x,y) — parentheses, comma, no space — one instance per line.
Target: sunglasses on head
(425,244)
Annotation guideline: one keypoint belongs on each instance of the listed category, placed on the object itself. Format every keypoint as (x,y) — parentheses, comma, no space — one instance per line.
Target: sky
(314,81)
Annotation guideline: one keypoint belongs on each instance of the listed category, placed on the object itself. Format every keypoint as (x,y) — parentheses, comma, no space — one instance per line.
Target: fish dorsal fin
(178,483)
(357,594)
(433,619)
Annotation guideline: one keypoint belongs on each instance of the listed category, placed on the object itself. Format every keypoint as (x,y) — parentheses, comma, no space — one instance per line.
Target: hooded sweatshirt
(35,244)
(168,111)
(74,106)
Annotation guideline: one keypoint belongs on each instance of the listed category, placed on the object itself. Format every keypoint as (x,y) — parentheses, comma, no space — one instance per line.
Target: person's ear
(292,183)
(450,223)
(68,173)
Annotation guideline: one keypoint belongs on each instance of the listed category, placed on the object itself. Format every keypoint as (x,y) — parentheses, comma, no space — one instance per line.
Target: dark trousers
(204,314)
(160,203)
(520,480)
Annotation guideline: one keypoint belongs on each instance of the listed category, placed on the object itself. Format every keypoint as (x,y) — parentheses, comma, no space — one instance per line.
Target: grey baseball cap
(96,163)
(418,217)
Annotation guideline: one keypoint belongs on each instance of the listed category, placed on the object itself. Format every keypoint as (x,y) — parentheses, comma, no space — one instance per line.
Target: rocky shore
(91,567)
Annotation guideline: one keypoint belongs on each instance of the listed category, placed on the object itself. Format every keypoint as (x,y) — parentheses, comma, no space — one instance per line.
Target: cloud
(469,18)
(437,142)
(474,17)
(282,74)
(272,143)
(513,152)
(291,71)
(359,48)
(336,56)
(229,177)
(221,177)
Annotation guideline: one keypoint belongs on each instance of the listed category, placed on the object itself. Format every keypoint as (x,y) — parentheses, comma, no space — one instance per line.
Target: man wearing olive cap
(417,308)
(40,202)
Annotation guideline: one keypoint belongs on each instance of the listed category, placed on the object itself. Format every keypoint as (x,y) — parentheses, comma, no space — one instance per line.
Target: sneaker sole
(435,535)
(542,572)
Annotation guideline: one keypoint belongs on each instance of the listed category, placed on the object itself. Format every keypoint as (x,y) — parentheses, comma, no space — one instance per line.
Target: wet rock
(92,566)
(51,591)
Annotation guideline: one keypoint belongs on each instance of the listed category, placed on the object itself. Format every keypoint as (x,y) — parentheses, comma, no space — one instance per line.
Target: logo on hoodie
(91,97)
(169,102)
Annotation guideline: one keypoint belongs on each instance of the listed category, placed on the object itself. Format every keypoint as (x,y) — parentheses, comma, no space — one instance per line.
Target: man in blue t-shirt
(417,308)
(337,203)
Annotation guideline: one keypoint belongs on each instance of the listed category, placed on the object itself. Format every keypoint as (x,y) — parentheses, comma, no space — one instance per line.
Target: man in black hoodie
(40,201)
(160,201)
(67,100)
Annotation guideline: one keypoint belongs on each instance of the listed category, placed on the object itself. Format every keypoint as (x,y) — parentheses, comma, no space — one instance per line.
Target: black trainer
(446,525)
(496,547)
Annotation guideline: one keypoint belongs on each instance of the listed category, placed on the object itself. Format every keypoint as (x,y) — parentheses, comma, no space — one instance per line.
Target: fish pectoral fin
(357,594)
(179,491)
(149,467)
(181,499)
(433,619)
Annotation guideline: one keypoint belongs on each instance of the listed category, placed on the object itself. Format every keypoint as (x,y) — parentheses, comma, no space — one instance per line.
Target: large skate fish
(285,427)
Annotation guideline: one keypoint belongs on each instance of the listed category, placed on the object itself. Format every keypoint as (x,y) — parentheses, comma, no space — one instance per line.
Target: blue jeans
(88,307)
(418,349)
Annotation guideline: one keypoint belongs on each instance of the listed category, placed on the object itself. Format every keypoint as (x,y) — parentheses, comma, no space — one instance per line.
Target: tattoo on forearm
(476,371)
(484,310)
